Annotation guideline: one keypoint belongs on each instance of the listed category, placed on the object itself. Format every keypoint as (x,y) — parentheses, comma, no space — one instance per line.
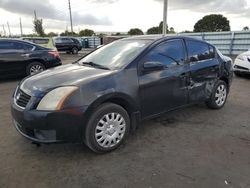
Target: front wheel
(107,128)
(219,96)
(74,50)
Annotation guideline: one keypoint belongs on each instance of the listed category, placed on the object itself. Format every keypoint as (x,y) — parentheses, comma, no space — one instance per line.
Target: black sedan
(102,97)
(19,58)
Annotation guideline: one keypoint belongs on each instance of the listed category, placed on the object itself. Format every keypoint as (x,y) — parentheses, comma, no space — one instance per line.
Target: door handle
(214,69)
(25,55)
(183,75)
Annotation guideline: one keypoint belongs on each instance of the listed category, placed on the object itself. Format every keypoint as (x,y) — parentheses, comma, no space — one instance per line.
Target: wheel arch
(226,80)
(120,99)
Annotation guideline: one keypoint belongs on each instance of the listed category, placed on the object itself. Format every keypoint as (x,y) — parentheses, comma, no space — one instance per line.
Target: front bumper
(242,66)
(48,126)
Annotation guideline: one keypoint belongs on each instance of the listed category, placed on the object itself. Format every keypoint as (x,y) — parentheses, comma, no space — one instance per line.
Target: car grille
(240,67)
(22,99)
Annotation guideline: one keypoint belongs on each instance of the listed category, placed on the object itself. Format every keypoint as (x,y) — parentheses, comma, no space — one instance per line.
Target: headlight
(240,57)
(54,99)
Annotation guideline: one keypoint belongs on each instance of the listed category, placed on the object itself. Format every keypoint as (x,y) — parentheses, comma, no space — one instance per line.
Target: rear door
(59,44)
(165,89)
(67,43)
(204,69)
(13,57)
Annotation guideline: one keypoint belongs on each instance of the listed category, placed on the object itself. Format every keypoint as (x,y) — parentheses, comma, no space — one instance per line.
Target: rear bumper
(53,63)
(49,127)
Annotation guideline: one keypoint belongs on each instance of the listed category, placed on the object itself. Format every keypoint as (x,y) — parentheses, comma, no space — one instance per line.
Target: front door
(12,58)
(165,89)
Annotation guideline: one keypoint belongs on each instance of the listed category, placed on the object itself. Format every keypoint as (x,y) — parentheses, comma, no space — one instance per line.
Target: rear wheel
(219,96)
(74,50)
(107,128)
(34,68)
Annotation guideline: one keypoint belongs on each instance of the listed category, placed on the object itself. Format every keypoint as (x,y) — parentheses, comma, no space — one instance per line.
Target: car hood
(72,74)
(246,53)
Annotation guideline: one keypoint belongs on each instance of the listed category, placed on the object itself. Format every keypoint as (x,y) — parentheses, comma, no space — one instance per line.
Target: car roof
(24,41)
(17,40)
(161,37)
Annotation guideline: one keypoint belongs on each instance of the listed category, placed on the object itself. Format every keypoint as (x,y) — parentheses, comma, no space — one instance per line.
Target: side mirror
(153,66)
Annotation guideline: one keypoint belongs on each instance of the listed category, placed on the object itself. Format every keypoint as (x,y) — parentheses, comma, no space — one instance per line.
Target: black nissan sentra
(99,99)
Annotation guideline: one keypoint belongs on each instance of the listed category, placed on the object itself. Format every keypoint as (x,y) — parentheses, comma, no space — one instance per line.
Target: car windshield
(115,55)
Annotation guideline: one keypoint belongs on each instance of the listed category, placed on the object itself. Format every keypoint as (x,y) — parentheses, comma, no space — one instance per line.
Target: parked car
(18,57)
(41,41)
(242,64)
(99,99)
(68,44)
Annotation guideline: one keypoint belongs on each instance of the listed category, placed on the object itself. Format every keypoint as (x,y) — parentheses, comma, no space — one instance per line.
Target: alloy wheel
(221,95)
(35,69)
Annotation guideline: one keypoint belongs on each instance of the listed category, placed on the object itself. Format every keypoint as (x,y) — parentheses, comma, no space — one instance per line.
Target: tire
(103,132)
(219,95)
(34,68)
(74,50)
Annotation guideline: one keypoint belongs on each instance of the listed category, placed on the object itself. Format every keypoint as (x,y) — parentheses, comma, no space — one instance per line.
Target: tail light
(54,53)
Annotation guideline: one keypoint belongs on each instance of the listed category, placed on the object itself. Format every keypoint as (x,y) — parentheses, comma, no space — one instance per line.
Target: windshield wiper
(95,65)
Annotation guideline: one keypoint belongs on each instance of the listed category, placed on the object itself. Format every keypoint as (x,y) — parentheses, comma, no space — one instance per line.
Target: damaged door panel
(204,70)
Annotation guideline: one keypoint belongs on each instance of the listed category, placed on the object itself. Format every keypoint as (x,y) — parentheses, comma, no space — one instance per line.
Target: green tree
(67,33)
(171,30)
(38,27)
(161,27)
(135,31)
(157,29)
(52,34)
(246,28)
(212,23)
(153,30)
(86,32)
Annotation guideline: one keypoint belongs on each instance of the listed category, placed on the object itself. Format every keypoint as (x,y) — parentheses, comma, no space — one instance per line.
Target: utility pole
(21,27)
(71,24)
(35,15)
(4,31)
(9,29)
(165,14)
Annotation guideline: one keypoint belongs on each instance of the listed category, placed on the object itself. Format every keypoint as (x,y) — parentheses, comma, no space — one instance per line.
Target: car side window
(67,40)
(57,40)
(18,46)
(169,53)
(211,52)
(5,45)
(198,51)
(28,47)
